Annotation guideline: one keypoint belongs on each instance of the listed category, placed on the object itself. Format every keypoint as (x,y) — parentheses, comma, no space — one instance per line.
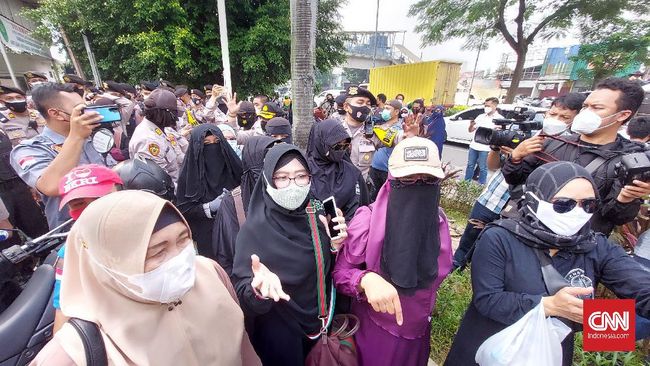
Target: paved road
(456,154)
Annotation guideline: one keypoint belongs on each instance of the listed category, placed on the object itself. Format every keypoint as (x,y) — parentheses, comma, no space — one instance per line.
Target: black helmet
(146,175)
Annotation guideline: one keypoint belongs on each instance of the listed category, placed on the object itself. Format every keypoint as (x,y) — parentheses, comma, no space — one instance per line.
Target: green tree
(178,40)
(518,22)
(355,76)
(612,48)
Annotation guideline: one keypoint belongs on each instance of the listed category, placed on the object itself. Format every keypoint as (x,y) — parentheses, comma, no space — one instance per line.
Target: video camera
(507,135)
(634,167)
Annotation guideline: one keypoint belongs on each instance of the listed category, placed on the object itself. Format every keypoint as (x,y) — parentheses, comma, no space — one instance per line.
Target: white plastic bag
(534,340)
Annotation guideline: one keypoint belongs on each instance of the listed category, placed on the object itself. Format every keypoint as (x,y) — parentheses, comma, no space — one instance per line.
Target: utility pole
(223,37)
(91,59)
(471,83)
(75,62)
(374,54)
(9,68)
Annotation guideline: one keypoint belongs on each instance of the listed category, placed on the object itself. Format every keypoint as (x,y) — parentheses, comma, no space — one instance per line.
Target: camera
(520,126)
(634,167)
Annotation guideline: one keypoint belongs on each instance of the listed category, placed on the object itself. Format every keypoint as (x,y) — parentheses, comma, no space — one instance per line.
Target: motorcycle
(26,289)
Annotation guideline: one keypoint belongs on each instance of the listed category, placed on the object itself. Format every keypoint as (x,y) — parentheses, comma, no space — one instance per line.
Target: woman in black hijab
(507,279)
(232,211)
(210,166)
(332,172)
(279,297)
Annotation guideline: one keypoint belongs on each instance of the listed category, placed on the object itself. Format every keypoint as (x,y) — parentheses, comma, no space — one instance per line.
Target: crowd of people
(201,236)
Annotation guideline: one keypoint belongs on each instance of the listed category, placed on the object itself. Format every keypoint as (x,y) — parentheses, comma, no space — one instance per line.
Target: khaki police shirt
(149,141)
(32,156)
(362,148)
(16,125)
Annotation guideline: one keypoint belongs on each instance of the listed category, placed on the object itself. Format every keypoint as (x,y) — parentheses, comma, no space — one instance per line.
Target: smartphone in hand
(329,206)
(111,113)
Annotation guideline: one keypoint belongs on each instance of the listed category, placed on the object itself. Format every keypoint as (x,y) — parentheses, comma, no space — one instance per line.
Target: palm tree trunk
(303,57)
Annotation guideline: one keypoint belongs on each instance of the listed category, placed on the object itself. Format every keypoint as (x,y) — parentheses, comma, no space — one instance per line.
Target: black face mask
(341,111)
(80,92)
(337,155)
(416,110)
(359,114)
(196,100)
(18,107)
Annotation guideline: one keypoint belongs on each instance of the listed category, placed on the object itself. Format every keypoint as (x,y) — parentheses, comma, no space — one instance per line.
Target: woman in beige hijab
(131,269)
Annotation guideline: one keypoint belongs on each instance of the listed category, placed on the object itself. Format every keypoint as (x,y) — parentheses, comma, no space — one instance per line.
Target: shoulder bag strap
(595,164)
(92,340)
(324,314)
(553,280)
(239,206)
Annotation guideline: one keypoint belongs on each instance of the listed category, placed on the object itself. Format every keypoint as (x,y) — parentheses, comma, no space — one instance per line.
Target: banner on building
(17,38)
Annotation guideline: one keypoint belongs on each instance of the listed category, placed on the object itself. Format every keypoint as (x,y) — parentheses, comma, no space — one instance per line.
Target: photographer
(597,147)
(478,152)
(495,196)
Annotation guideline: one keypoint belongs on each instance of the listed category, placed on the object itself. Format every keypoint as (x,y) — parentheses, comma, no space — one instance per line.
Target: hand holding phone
(110,113)
(335,222)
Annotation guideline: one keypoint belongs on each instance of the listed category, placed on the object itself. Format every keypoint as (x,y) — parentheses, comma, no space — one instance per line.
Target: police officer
(63,144)
(146,87)
(154,139)
(80,85)
(35,78)
(360,128)
(18,122)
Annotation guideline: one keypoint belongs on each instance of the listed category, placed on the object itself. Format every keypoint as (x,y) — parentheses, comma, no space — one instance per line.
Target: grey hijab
(545,182)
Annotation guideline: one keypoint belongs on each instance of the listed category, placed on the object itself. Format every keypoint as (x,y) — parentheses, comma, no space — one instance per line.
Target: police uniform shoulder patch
(158,131)
(154,149)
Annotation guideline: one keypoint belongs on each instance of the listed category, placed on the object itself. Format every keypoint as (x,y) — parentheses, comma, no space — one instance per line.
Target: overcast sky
(359,15)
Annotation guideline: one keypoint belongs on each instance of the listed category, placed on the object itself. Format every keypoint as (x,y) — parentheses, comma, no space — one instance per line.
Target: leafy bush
(459,195)
(455,109)
(582,358)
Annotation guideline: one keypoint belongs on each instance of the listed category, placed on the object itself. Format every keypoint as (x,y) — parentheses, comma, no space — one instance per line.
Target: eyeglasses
(564,205)
(282,181)
(341,146)
(428,180)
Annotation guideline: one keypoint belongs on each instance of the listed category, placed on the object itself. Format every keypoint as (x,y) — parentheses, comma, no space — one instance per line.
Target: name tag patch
(416,153)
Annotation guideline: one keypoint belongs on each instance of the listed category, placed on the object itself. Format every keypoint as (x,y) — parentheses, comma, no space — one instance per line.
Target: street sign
(18,39)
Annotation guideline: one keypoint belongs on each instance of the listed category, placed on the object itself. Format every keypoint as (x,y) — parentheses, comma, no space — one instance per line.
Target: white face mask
(487,110)
(588,122)
(566,224)
(165,284)
(290,197)
(553,126)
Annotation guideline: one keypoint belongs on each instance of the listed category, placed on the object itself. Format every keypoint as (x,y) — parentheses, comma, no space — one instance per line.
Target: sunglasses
(341,146)
(564,205)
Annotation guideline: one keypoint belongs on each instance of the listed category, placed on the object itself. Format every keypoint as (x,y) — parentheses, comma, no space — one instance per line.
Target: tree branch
(520,23)
(500,25)
(563,9)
